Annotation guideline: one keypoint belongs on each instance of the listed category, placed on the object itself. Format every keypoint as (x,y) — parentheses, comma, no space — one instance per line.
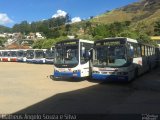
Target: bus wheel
(52,77)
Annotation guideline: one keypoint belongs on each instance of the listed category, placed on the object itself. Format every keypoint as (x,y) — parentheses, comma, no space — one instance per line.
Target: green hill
(4,29)
(144,11)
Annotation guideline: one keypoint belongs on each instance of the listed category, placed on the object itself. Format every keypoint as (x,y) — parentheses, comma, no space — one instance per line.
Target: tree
(2,41)
(144,38)
(157,28)
(38,44)
(68,28)
(24,27)
(129,34)
(101,31)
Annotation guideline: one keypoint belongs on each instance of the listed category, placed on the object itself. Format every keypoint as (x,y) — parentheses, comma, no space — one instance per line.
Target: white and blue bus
(39,56)
(121,59)
(36,56)
(21,55)
(72,59)
(49,56)
(29,55)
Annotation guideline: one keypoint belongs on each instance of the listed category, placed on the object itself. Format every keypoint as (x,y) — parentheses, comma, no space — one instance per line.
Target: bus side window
(131,51)
(135,50)
(138,51)
(146,51)
(143,50)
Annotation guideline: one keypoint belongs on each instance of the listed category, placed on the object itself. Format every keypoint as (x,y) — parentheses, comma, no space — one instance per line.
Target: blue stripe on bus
(109,77)
(34,61)
(67,74)
(37,61)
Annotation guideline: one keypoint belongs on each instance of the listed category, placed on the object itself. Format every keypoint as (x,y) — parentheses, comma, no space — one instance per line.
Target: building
(156,39)
(2,35)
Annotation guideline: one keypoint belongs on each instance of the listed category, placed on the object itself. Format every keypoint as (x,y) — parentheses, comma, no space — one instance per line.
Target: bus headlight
(76,71)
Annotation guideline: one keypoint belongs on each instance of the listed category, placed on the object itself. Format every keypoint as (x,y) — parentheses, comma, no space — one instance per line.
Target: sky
(16,11)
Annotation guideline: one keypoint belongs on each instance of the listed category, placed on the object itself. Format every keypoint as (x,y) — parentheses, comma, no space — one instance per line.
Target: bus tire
(51,77)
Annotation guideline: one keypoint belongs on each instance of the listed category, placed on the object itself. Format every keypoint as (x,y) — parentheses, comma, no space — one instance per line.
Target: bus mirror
(90,53)
(68,54)
(83,51)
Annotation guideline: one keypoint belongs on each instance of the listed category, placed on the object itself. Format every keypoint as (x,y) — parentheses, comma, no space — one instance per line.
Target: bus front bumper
(67,74)
(109,77)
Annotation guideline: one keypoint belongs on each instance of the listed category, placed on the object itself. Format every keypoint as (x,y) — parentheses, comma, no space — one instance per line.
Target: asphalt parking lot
(27,88)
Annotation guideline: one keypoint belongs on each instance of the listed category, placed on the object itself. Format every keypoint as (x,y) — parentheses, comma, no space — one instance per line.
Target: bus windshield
(50,54)
(39,54)
(30,54)
(110,56)
(66,55)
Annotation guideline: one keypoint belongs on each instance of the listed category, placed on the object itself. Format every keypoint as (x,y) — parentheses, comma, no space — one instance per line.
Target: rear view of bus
(121,59)
(72,59)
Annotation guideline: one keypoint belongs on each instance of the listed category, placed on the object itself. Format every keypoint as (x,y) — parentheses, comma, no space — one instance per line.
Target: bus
(12,55)
(29,55)
(72,59)
(39,56)
(21,55)
(49,56)
(36,56)
(121,59)
(4,55)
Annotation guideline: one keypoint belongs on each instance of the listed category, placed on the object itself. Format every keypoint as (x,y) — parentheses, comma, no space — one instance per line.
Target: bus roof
(75,40)
(123,39)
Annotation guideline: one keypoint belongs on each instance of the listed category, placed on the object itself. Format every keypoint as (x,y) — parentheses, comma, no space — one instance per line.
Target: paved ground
(22,85)
(25,88)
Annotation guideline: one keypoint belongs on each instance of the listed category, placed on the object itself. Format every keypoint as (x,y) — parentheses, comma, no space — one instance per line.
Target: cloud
(60,13)
(76,19)
(4,19)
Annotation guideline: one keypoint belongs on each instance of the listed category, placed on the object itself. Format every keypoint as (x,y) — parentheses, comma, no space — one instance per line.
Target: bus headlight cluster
(75,71)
